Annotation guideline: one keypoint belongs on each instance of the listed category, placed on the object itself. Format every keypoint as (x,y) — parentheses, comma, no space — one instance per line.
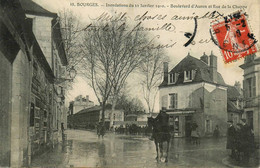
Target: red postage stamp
(233,37)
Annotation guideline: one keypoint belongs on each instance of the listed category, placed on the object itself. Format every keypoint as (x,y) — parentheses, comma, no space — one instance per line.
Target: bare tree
(71,34)
(151,74)
(111,53)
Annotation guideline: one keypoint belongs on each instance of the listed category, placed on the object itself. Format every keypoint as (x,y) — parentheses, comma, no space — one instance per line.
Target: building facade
(90,117)
(27,82)
(251,86)
(80,103)
(235,103)
(194,92)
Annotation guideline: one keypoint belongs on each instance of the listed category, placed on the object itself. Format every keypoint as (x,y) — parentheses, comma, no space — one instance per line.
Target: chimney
(213,67)
(87,98)
(80,99)
(165,72)
(205,58)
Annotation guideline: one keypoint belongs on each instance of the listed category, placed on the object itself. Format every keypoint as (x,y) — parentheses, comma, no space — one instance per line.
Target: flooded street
(84,149)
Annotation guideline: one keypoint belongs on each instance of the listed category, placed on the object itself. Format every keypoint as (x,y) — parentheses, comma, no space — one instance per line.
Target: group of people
(132,129)
(240,140)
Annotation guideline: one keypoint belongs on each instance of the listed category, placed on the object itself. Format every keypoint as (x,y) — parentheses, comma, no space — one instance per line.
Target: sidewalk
(253,161)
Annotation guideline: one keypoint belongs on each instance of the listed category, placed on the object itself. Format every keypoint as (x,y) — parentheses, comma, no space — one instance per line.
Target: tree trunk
(112,113)
(103,113)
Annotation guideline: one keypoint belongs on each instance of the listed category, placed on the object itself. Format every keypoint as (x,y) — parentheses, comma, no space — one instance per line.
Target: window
(173,100)
(189,75)
(176,123)
(250,87)
(173,77)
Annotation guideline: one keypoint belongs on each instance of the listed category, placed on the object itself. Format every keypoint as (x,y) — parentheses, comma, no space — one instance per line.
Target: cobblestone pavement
(84,149)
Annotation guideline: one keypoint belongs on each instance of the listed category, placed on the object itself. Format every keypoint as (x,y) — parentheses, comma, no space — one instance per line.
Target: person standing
(195,135)
(246,135)
(216,132)
(231,138)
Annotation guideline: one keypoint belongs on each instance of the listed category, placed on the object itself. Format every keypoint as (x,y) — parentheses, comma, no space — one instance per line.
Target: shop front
(180,123)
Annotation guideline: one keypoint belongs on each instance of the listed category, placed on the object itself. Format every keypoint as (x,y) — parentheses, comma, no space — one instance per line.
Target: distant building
(251,87)
(80,103)
(89,117)
(194,92)
(235,103)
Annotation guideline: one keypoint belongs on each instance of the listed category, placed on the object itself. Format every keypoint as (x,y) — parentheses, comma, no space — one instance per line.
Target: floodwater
(84,149)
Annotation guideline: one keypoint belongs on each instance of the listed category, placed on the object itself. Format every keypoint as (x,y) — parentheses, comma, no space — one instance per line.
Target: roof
(31,7)
(250,60)
(202,71)
(233,93)
(90,109)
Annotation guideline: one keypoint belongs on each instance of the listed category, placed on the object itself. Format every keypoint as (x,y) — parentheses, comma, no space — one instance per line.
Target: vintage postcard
(109,83)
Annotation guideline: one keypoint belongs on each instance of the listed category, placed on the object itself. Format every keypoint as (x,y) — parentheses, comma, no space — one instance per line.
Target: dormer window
(173,77)
(189,75)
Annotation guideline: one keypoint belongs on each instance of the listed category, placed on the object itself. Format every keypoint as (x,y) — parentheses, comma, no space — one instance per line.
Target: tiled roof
(202,71)
(90,109)
(31,7)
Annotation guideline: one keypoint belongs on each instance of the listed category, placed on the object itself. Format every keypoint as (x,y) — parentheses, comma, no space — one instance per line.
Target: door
(250,119)
(187,126)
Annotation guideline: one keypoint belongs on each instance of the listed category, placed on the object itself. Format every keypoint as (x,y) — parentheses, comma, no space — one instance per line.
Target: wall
(185,97)
(215,107)
(257,115)
(208,101)
(5,110)
(42,30)
(20,109)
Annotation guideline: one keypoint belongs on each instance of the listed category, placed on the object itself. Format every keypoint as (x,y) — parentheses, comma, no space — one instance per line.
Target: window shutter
(205,126)
(245,88)
(254,86)
(176,100)
(210,125)
(165,101)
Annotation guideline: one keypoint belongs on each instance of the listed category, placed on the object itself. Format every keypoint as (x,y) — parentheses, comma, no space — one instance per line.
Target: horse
(159,136)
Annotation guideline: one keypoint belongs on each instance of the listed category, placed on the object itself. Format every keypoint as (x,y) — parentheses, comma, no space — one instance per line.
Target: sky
(230,72)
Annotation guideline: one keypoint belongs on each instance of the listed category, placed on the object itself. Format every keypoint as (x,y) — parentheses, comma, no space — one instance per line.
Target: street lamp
(72,74)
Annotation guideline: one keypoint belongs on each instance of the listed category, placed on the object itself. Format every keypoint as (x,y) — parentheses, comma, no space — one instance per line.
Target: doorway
(187,126)
(249,116)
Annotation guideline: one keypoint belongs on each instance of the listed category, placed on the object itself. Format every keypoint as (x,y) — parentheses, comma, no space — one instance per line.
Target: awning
(180,112)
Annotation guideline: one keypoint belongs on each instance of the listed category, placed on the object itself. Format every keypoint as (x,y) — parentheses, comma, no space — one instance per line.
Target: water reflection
(126,151)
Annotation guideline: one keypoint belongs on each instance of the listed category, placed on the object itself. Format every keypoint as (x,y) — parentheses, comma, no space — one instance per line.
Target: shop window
(173,101)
